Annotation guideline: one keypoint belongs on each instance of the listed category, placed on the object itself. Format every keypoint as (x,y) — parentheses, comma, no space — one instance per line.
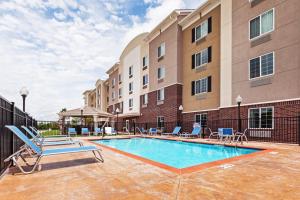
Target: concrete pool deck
(272,175)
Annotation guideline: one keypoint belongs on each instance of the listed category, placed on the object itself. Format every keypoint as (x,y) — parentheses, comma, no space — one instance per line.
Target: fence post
(12,122)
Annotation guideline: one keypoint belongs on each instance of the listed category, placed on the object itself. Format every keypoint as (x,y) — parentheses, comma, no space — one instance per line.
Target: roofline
(113,68)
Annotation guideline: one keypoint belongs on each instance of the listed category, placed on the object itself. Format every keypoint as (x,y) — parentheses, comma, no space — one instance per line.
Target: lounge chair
(195,133)
(241,136)
(98,131)
(71,131)
(41,142)
(175,132)
(85,131)
(226,134)
(39,153)
(49,138)
(213,134)
(152,131)
(110,131)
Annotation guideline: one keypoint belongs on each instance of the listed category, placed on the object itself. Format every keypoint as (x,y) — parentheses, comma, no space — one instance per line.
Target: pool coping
(185,170)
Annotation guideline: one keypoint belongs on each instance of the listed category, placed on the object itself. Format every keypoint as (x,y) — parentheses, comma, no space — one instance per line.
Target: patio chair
(226,134)
(175,132)
(71,131)
(195,133)
(213,134)
(49,138)
(41,142)
(98,131)
(110,131)
(152,131)
(85,131)
(39,153)
(241,136)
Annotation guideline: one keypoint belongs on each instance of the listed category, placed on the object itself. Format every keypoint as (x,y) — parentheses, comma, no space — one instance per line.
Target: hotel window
(113,95)
(121,106)
(120,78)
(130,103)
(201,58)
(201,86)
(262,66)
(161,50)
(130,86)
(160,73)
(261,117)
(202,30)
(145,80)
(113,82)
(201,119)
(120,92)
(145,61)
(130,71)
(161,94)
(262,24)
(160,122)
(145,99)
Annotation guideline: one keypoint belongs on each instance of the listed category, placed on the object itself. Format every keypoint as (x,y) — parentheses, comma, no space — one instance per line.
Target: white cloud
(59,48)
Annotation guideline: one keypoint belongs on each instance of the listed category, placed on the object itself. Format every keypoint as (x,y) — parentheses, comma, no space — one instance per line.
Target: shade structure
(86,112)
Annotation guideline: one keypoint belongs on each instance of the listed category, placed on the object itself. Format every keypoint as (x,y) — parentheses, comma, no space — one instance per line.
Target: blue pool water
(175,153)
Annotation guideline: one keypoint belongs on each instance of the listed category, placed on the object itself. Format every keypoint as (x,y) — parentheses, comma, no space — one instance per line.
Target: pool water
(175,153)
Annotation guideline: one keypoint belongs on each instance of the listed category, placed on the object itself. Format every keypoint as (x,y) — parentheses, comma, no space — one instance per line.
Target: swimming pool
(176,154)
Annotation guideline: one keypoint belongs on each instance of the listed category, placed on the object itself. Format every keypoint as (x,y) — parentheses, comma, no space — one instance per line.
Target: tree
(63,110)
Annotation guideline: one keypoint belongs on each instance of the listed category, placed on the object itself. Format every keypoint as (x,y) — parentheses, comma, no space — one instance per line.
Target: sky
(59,48)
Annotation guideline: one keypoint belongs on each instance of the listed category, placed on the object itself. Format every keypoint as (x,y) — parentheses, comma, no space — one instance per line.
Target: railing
(10,115)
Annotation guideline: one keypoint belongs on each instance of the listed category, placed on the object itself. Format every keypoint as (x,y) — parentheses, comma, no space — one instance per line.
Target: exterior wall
(113,75)
(226,53)
(101,95)
(209,100)
(284,41)
(144,52)
(92,98)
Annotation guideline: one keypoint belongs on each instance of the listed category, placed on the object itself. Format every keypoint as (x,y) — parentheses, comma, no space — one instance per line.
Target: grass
(46,133)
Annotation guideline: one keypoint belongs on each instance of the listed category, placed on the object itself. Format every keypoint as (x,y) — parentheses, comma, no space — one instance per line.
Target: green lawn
(46,133)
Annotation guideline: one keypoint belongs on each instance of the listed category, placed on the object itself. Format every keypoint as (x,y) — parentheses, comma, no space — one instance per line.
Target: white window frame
(200,25)
(200,86)
(260,34)
(130,89)
(260,117)
(113,82)
(120,78)
(113,95)
(261,76)
(145,96)
(201,64)
(163,73)
(130,72)
(162,50)
(120,92)
(146,61)
(159,117)
(163,92)
(200,114)
(130,100)
(146,75)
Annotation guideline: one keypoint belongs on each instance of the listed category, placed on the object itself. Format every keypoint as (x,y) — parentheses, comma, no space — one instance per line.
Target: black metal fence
(10,115)
(280,129)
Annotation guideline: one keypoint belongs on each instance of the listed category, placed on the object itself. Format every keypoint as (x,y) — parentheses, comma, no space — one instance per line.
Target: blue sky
(59,48)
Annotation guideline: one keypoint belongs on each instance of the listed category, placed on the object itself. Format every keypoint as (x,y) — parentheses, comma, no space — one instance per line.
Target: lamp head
(180,108)
(239,99)
(24,92)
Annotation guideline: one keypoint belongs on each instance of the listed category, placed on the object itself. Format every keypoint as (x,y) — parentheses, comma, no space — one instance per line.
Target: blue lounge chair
(49,138)
(41,142)
(98,131)
(85,131)
(195,133)
(153,131)
(226,134)
(39,153)
(175,132)
(71,131)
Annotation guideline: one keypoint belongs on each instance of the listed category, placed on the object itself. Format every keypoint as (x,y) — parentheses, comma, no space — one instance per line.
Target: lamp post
(117,111)
(239,100)
(24,93)
(180,115)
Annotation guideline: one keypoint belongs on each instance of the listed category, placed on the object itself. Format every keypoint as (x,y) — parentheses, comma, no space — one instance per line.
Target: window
(130,86)
(161,50)
(120,78)
(121,106)
(201,86)
(113,82)
(261,117)
(262,24)
(130,103)
(201,58)
(120,92)
(145,99)
(145,61)
(145,80)
(160,122)
(130,71)
(201,119)
(201,30)
(160,73)
(113,95)
(262,66)
(161,94)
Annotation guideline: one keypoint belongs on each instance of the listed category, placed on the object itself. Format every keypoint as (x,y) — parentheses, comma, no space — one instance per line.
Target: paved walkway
(78,176)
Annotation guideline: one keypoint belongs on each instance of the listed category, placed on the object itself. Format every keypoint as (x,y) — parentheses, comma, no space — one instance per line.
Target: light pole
(117,111)
(179,123)
(81,117)
(24,93)
(239,100)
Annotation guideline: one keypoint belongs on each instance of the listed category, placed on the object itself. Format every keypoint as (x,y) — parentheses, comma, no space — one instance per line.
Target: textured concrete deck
(78,176)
